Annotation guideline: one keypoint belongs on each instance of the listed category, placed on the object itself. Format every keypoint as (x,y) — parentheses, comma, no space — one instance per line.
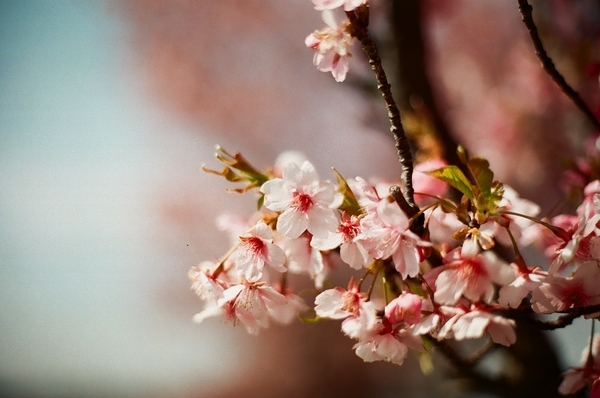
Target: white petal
(291,223)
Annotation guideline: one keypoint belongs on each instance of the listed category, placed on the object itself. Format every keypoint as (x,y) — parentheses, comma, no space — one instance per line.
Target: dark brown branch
(359,30)
(527,15)
(418,225)
(576,312)
(558,323)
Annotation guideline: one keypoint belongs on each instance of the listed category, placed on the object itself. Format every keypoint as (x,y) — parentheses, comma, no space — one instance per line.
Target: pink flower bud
(406,308)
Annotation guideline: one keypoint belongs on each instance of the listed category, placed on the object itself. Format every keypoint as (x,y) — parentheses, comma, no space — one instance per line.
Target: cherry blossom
(462,323)
(474,324)
(306,202)
(302,258)
(381,346)
(427,273)
(404,308)
(385,233)
(331,45)
(205,281)
(424,183)
(512,295)
(287,312)
(348,5)
(351,251)
(559,293)
(256,249)
(576,378)
(350,305)
(471,276)
(250,303)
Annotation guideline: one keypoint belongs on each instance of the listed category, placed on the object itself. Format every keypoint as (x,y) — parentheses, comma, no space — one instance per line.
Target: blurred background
(108,110)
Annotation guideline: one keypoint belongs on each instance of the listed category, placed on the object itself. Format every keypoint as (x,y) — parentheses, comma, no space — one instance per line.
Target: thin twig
(527,15)
(558,323)
(359,30)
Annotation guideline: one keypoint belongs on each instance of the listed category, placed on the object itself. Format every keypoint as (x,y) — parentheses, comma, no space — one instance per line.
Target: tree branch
(359,30)
(526,11)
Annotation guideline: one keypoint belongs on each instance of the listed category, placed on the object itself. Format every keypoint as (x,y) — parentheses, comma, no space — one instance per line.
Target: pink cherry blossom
(205,283)
(559,293)
(348,5)
(442,227)
(306,202)
(424,183)
(576,378)
(248,303)
(302,258)
(495,226)
(350,305)
(583,244)
(385,343)
(474,324)
(256,249)
(471,276)
(331,45)
(462,324)
(286,313)
(385,233)
(512,295)
(351,251)
(405,308)
(381,347)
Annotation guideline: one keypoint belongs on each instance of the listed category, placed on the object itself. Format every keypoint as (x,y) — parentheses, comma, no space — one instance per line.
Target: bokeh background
(108,110)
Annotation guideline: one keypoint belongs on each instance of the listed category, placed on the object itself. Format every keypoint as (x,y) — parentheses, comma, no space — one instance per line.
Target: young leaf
(350,204)
(452,176)
(484,177)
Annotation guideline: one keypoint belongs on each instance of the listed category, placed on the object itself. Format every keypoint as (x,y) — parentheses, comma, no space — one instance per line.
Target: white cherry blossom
(306,202)
(256,250)
(348,5)
(471,276)
(351,251)
(331,45)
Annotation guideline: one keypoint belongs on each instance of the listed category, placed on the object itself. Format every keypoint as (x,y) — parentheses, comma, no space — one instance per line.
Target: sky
(81,155)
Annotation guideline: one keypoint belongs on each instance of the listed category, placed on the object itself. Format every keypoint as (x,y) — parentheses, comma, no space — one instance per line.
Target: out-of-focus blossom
(348,5)
(331,45)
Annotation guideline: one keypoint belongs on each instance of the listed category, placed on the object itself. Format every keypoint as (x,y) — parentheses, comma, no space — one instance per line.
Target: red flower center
(302,201)
(255,245)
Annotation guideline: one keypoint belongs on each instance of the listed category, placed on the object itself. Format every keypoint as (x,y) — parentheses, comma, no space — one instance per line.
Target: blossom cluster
(444,283)
(416,276)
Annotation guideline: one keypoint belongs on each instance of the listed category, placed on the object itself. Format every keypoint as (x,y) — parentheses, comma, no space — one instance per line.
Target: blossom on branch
(350,305)
(468,275)
(351,250)
(331,45)
(306,202)
(386,233)
(256,250)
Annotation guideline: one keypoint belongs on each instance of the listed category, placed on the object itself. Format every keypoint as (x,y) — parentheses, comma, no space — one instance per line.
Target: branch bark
(526,11)
(359,21)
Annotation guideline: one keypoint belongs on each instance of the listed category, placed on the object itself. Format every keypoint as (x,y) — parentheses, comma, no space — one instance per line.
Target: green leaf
(260,202)
(484,177)
(455,178)
(350,204)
